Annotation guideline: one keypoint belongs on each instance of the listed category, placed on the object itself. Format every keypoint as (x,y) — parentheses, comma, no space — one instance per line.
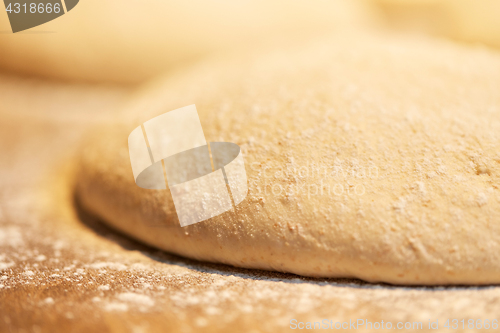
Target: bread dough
(63,272)
(464,20)
(368,156)
(132,41)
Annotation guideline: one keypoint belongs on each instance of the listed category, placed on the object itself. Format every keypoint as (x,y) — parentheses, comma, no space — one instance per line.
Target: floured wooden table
(62,270)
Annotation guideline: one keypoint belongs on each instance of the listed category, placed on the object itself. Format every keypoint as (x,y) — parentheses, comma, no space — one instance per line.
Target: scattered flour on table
(137,299)
(109,265)
(5,265)
(116,306)
(11,236)
(40,257)
(129,299)
(48,300)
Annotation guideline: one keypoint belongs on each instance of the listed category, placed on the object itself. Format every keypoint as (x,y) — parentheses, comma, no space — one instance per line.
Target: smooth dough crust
(367,156)
(129,42)
(464,20)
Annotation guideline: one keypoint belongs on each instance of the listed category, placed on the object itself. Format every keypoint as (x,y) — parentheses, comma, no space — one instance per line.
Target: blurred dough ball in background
(132,41)
(470,21)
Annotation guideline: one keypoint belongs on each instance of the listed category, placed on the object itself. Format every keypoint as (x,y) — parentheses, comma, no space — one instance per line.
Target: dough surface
(463,20)
(367,156)
(63,271)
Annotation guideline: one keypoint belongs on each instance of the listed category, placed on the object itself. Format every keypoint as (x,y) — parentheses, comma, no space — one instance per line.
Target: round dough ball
(465,20)
(135,40)
(367,156)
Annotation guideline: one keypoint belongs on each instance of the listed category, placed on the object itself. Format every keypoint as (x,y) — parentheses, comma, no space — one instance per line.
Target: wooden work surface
(61,270)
